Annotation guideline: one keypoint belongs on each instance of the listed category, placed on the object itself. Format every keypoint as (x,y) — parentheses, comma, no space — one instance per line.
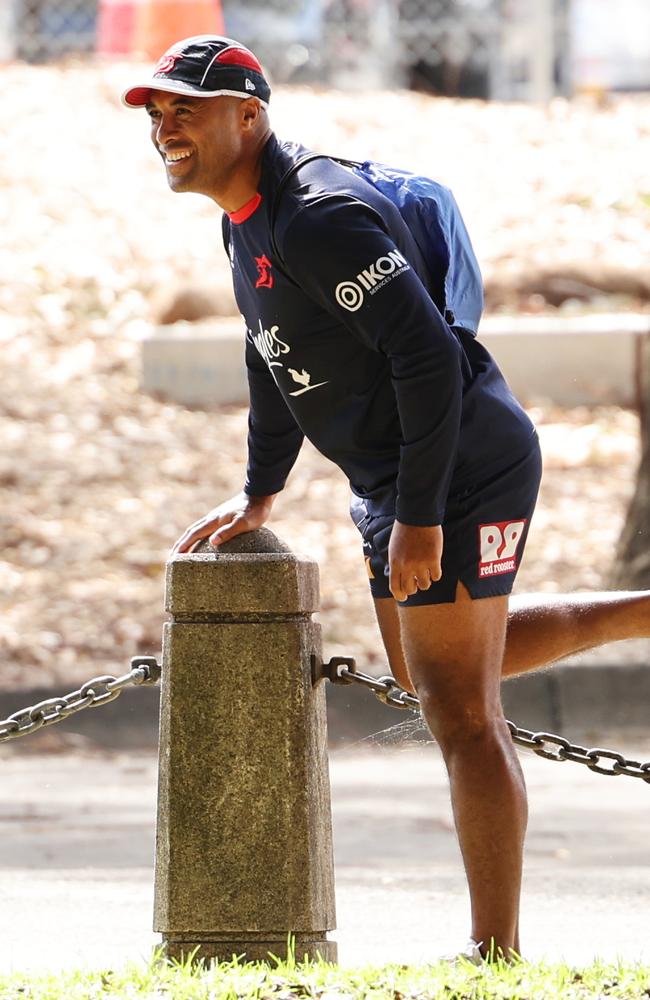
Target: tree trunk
(631,570)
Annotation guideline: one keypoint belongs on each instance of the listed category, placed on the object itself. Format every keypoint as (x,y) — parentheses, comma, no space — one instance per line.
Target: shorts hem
(444,592)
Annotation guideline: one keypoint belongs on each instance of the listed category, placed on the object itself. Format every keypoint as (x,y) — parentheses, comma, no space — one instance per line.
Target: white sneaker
(471,953)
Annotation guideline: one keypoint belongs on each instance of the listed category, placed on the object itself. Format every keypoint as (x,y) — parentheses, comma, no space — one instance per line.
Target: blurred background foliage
(537,114)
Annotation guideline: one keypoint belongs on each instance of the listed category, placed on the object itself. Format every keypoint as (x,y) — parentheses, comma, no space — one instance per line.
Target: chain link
(343,670)
(339,670)
(95,692)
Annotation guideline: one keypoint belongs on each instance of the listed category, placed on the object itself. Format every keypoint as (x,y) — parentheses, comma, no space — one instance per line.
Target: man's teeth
(171,157)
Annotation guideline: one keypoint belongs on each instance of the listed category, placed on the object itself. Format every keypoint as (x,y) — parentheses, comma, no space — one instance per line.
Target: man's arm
(274,440)
(339,254)
(343,258)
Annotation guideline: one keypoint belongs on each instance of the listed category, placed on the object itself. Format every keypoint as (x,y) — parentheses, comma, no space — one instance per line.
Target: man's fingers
(194,534)
(235,527)
(426,575)
(190,538)
(184,545)
(403,584)
(395,584)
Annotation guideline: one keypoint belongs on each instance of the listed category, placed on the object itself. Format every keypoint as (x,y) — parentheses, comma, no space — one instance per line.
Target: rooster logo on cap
(167,63)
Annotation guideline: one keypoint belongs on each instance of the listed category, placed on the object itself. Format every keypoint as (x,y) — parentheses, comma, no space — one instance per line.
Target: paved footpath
(76,849)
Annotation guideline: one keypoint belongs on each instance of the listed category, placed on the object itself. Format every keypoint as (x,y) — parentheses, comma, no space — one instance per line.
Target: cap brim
(139,96)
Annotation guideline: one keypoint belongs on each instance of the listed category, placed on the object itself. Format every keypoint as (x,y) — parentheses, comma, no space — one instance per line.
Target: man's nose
(165,128)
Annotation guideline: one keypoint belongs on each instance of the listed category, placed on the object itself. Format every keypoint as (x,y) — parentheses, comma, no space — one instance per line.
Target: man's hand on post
(233,517)
(414,556)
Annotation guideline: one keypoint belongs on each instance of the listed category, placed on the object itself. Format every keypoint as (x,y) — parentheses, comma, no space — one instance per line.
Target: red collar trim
(246,210)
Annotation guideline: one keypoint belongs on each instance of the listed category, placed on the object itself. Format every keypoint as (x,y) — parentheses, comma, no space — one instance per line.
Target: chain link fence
(507,49)
(43,30)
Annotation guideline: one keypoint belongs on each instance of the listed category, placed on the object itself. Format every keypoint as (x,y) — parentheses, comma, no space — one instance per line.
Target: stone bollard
(244,836)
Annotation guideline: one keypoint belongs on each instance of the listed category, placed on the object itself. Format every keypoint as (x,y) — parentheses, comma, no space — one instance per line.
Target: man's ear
(251,110)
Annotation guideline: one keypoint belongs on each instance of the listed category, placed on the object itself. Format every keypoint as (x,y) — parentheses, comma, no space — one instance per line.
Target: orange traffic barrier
(115,27)
(147,28)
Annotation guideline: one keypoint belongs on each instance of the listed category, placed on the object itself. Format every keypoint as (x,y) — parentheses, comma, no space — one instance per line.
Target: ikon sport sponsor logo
(351,294)
(498,543)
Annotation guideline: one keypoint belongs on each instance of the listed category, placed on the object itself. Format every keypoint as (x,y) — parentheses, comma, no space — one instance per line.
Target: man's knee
(460,717)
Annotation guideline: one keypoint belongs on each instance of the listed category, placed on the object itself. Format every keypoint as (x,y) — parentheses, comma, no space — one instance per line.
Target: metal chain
(343,670)
(339,670)
(92,694)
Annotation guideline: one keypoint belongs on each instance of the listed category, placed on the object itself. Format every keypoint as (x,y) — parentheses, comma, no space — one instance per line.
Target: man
(443,463)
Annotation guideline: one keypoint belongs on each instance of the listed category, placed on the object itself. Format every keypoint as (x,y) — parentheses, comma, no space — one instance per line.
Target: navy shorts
(484,532)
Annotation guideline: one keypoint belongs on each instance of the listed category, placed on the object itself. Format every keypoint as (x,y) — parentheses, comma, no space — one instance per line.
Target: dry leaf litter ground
(97,479)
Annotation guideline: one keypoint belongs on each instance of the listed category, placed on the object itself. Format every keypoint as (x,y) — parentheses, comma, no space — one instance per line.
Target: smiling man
(351,341)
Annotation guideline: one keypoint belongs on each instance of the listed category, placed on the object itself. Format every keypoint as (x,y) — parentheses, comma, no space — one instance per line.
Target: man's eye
(154,115)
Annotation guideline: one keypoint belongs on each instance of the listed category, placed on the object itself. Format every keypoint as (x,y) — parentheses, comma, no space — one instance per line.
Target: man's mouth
(176,155)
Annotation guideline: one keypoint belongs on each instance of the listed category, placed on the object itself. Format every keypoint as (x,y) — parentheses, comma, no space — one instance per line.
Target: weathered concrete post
(244,842)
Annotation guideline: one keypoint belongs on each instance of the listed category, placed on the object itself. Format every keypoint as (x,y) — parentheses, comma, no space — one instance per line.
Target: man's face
(198,138)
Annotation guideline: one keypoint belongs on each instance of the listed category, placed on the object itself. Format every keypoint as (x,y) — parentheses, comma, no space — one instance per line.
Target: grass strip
(318,980)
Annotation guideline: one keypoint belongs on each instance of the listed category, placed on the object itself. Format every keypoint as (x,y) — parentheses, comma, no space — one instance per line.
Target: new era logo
(249,84)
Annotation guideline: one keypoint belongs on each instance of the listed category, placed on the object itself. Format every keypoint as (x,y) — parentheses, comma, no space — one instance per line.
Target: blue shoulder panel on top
(433,217)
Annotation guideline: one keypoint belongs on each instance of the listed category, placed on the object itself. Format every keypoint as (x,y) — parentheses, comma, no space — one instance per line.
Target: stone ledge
(569,360)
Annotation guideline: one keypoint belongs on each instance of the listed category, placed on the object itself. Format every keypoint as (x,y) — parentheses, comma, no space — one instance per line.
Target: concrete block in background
(569,360)
(196,364)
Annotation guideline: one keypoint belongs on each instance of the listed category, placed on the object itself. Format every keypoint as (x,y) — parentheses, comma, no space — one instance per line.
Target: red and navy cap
(204,66)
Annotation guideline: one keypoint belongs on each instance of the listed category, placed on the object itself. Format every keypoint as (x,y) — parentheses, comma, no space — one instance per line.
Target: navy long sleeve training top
(344,345)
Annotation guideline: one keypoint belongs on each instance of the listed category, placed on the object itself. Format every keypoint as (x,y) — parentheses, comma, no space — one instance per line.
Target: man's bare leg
(454,654)
(542,628)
